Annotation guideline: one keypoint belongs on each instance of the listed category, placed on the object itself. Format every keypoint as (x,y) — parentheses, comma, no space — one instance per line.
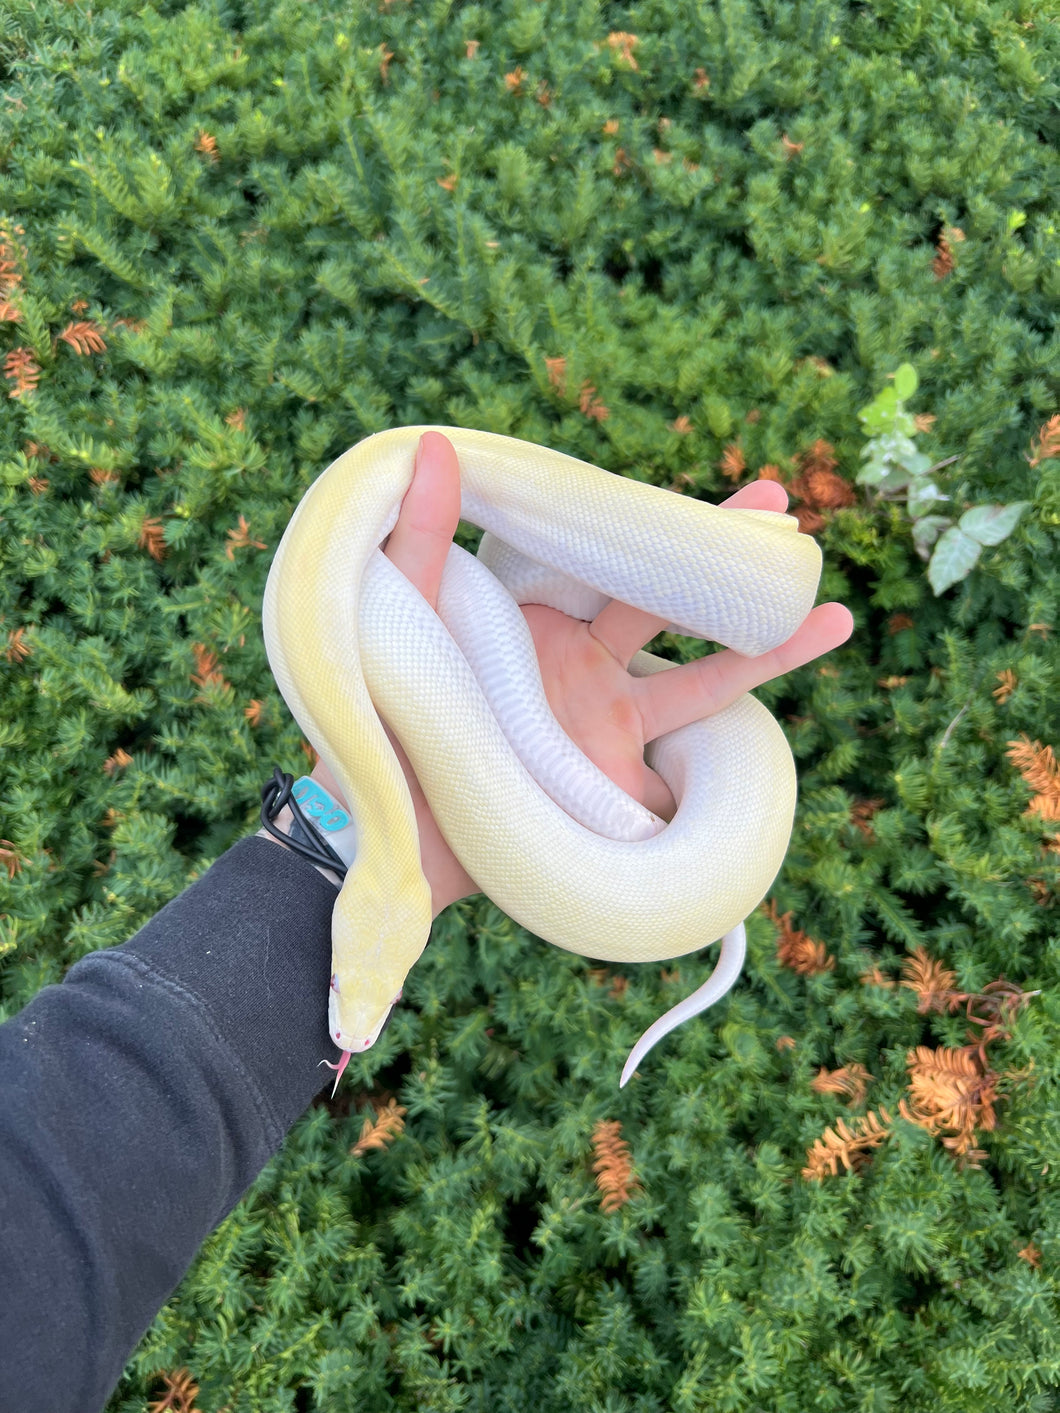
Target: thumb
(430,512)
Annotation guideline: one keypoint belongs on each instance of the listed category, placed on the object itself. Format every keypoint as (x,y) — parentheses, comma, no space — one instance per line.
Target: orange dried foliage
(842,1144)
(624,44)
(17,650)
(619,983)
(84,337)
(152,537)
(10,275)
(733,463)
(861,813)
(10,858)
(992,1008)
(1007,679)
(557,374)
(381,1128)
(253,712)
(180,1395)
(826,490)
(206,146)
(952,1091)
(240,539)
(1048,444)
(207,673)
(953,1095)
(875,977)
(22,369)
(117,761)
(613,1167)
(932,981)
(817,482)
(852,1080)
(943,262)
(810,521)
(1037,764)
(590,406)
(794,948)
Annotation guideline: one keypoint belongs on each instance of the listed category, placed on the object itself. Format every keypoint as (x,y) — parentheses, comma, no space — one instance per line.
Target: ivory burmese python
(544,833)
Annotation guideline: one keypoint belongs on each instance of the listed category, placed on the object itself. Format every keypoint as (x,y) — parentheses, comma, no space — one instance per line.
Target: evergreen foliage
(687,241)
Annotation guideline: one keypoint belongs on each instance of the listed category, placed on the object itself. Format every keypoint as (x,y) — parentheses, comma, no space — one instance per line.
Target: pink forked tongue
(339,1065)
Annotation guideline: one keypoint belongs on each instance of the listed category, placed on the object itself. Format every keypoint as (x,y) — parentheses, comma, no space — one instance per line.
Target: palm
(608,714)
(594,699)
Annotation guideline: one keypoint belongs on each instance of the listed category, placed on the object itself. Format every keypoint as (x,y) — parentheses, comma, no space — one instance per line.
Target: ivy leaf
(990,524)
(955,556)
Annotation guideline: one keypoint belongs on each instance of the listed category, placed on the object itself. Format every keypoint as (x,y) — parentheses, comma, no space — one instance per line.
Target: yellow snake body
(350,640)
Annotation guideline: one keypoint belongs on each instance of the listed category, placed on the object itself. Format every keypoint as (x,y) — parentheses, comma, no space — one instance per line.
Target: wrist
(284,822)
(447,879)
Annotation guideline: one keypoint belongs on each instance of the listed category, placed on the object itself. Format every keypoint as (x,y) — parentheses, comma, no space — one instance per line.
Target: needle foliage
(689,241)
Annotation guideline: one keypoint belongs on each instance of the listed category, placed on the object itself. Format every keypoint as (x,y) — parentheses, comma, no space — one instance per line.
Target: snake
(546,835)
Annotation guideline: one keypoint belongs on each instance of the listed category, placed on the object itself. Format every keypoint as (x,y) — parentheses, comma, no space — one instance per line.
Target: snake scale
(544,833)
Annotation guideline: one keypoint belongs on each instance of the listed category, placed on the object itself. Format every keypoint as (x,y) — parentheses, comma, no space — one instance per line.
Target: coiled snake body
(544,833)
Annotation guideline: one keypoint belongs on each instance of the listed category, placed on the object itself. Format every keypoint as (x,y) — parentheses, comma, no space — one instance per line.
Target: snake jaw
(353,1044)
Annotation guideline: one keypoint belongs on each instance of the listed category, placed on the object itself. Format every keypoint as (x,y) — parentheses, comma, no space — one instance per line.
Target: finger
(759,495)
(668,700)
(624,629)
(430,512)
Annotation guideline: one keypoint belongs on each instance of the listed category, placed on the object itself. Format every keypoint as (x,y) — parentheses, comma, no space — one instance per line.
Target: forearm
(138,1101)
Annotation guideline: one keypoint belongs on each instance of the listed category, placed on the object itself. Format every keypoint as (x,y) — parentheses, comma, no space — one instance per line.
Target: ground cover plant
(693,243)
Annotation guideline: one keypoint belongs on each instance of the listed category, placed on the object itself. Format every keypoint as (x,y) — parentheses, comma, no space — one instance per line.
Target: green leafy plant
(894,467)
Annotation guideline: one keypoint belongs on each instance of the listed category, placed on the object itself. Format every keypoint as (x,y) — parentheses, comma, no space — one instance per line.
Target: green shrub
(685,242)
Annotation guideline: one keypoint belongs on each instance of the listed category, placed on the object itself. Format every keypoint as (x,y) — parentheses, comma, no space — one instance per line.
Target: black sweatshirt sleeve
(139,1099)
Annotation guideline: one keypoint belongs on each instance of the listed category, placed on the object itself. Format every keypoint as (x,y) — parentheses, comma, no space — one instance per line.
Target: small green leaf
(927,531)
(921,495)
(990,524)
(905,382)
(954,558)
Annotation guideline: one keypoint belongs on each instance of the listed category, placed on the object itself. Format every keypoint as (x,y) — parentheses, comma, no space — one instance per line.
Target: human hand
(610,715)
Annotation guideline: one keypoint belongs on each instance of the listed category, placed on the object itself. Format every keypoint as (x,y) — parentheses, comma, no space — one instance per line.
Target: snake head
(362,1034)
